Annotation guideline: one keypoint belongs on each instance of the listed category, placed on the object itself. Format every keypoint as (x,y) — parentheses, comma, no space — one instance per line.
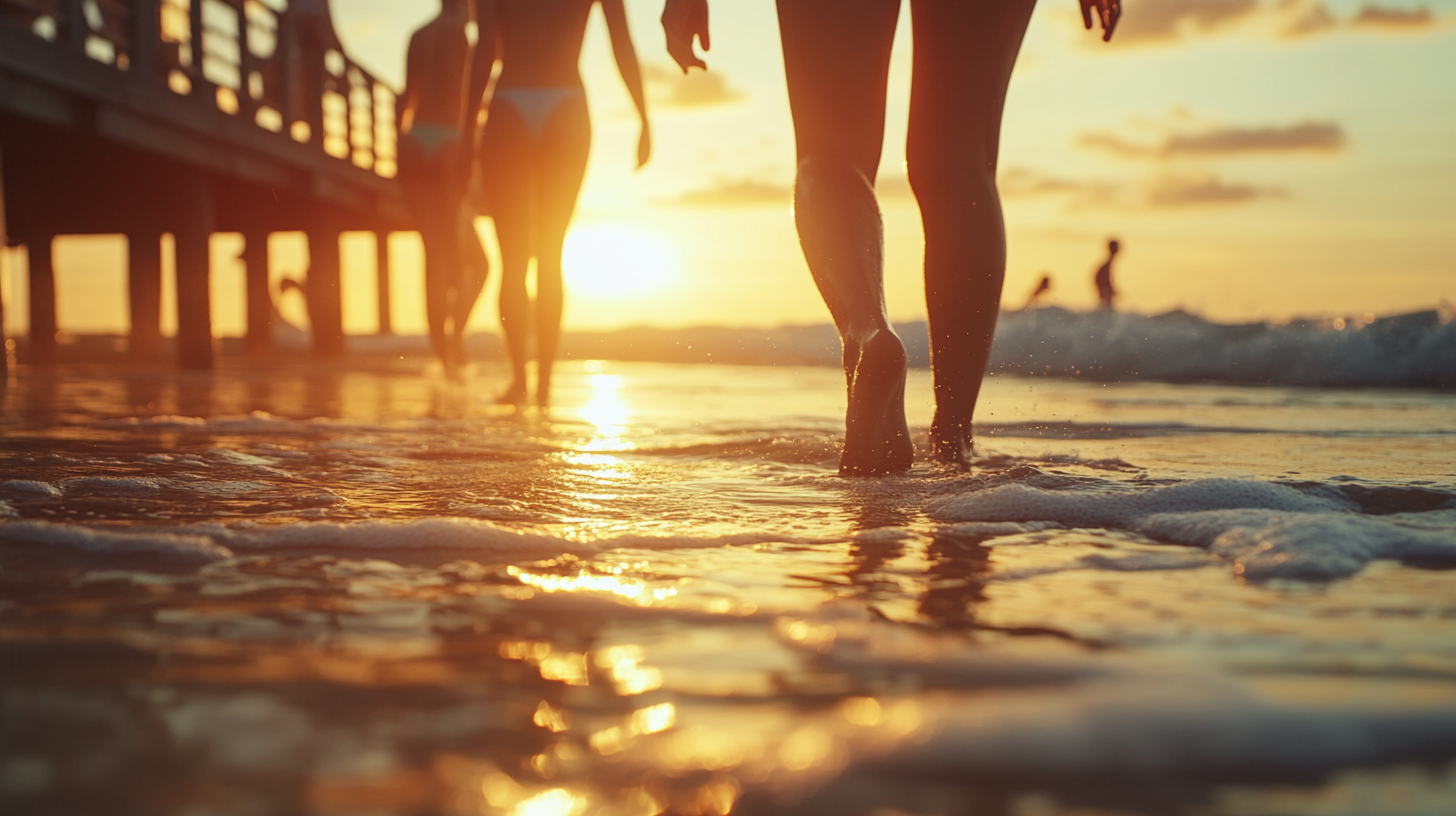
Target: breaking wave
(1410,350)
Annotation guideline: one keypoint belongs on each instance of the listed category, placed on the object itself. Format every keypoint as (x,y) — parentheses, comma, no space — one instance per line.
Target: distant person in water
(533,157)
(837,60)
(1042,287)
(1103,278)
(445,80)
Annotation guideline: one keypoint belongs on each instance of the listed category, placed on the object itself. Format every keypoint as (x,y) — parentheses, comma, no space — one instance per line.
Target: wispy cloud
(1164,191)
(1372,16)
(1152,22)
(1223,141)
(1183,191)
(670,88)
(733,193)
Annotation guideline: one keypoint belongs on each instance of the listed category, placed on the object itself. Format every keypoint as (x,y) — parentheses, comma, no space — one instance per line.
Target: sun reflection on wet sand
(605,409)
(632,589)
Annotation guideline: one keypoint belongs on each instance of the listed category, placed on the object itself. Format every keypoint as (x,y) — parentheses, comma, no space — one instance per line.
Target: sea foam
(1265,530)
(180,547)
(1181,728)
(468,538)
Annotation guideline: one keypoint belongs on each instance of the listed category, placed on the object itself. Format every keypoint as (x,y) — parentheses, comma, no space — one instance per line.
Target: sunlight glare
(606,410)
(555,802)
(654,719)
(614,260)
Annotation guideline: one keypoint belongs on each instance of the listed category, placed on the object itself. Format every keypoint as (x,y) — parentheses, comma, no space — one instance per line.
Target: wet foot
(543,387)
(877,439)
(514,395)
(451,365)
(458,354)
(951,442)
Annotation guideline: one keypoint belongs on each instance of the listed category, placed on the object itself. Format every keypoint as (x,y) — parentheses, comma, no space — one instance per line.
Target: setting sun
(616,260)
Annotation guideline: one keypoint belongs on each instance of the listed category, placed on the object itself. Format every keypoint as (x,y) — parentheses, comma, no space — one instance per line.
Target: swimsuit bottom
(432,137)
(536,105)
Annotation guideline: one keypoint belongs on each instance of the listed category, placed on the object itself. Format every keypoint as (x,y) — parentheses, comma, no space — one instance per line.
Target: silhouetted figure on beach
(1042,287)
(437,114)
(837,60)
(532,159)
(1103,278)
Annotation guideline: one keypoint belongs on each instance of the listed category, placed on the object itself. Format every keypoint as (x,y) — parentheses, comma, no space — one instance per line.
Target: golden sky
(1257,159)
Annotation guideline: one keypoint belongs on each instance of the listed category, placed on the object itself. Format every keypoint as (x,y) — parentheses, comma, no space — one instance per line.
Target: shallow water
(360,590)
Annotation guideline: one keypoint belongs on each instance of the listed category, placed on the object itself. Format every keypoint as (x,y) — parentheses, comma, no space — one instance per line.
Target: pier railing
(275,63)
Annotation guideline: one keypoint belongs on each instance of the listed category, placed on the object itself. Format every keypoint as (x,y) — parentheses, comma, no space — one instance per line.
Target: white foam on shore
(481,540)
(472,538)
(22,488)
(1266,530)
(991,711)
(257,422)
(175,546)
(1176,726)
(188,483)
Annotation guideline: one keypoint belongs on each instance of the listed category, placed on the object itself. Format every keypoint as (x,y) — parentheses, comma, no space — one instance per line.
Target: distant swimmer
(533,158)
(437,114)
(1103,278)
(837,63)
(1044,286)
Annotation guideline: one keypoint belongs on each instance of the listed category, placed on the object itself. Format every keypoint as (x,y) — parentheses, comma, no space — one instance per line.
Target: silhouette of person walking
(837,59)
(533,156)
(1042,287)
(1103,278)
(444,85)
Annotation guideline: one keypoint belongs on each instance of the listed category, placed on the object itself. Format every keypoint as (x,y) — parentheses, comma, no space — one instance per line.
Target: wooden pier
(189,117)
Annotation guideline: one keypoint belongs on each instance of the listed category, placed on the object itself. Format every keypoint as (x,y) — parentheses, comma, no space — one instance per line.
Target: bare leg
(837,57)
(474,269)
(505,161)
(434,200)
(964,53)
(562,165)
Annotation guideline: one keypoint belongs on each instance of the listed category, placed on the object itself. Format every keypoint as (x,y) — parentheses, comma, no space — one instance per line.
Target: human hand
(1108,11)
(681,21)
(644,146)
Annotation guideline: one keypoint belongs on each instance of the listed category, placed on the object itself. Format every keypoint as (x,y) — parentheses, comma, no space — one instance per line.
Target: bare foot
(543,387)
(452,366)
(951,441)
(877,439)
(514,395)
(458,352)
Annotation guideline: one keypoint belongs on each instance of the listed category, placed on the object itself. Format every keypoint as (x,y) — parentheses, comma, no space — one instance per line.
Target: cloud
(733,193)
(1151,22)
(1216,142)
(1372,16)
(1147,21)
(1182,191)
(1160,192)
(697,89)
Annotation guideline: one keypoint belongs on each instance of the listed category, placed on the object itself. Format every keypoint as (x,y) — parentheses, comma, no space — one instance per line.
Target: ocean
(1196,569)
